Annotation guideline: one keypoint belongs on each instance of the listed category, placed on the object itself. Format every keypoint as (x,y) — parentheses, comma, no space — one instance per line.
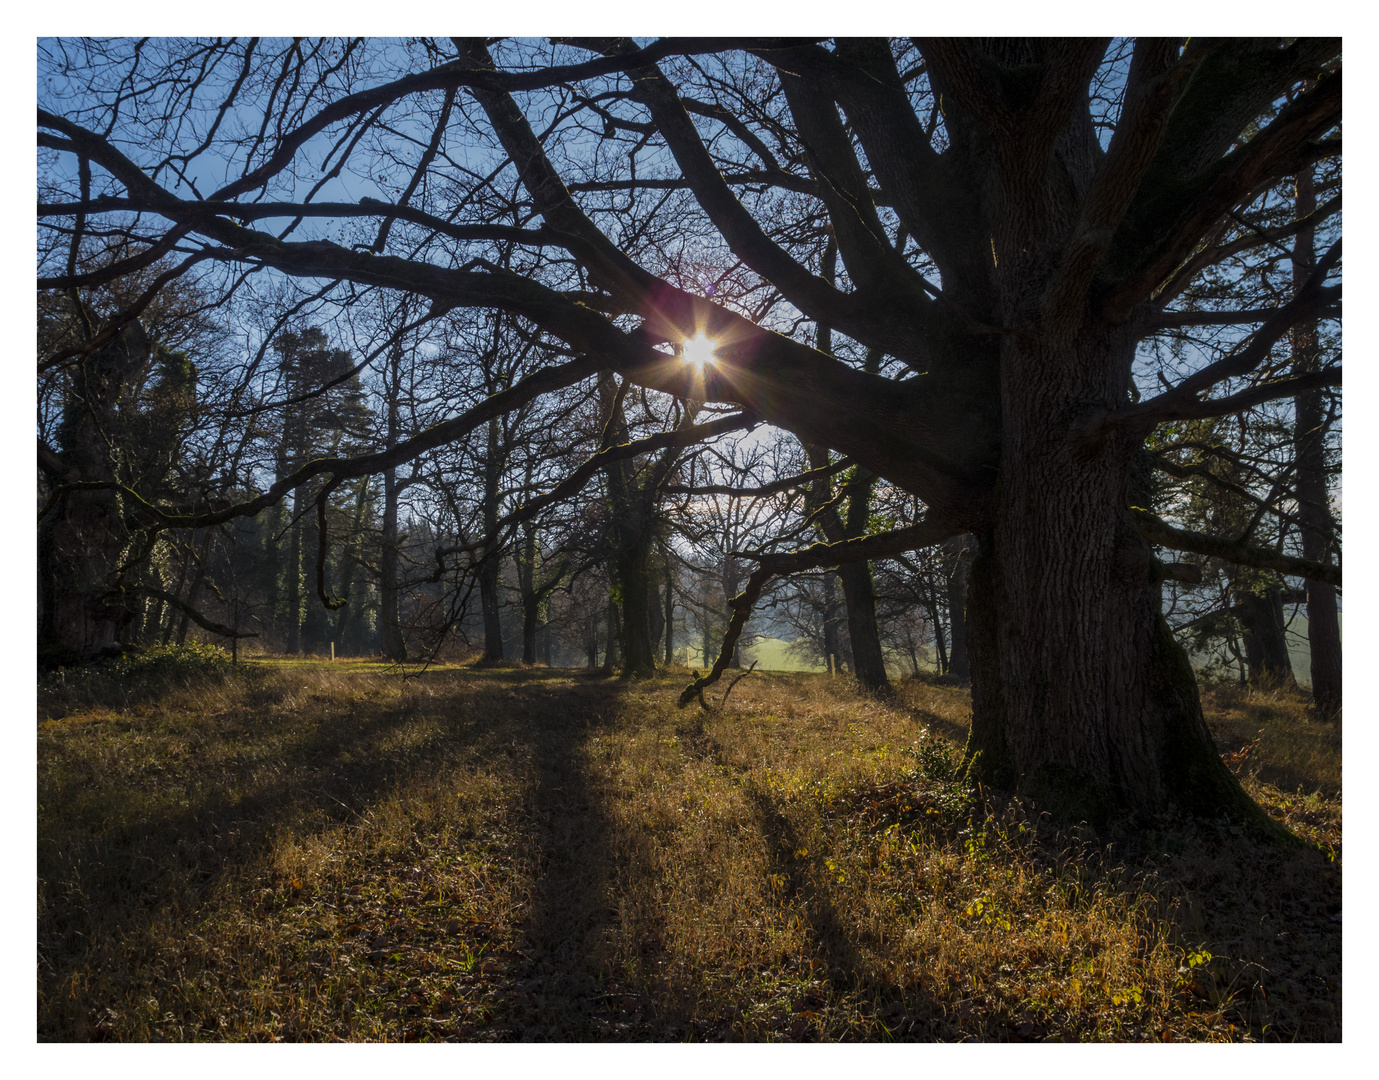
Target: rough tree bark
(859,590)
(1047,258)
(1082,699)
(1260,611)
(612,630)
(630,539)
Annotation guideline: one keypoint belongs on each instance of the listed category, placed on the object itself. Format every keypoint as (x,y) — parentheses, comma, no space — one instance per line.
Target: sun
(698,351)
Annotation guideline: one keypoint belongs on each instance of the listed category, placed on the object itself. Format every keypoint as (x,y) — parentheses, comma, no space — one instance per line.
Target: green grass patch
(317,851)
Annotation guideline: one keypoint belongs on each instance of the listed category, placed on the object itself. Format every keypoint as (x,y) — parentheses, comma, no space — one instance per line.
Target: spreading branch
(575,481)
(1157,531)
(775,487)
(773,564)
(186,609)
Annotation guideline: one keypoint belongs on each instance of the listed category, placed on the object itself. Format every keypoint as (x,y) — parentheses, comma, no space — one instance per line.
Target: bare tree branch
(1157,531)
(773,564)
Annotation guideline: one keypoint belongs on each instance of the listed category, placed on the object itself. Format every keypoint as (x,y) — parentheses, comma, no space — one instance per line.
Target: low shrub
(170,663)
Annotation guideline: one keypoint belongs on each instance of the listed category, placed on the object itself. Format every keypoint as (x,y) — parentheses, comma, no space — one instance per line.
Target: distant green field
(773,654)
(1298,651)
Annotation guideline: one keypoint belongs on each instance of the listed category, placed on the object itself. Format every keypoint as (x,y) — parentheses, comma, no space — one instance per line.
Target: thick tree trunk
(1081,698)
(489,576)
(1266,646)
(637,597)
(859,595)
(78,551)
(631,568)
(630,539)
(612,623)
(1314,504)
(859,592)
(1324,641)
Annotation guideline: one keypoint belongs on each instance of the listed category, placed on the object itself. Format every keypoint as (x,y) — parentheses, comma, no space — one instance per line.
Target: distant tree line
(1013,359)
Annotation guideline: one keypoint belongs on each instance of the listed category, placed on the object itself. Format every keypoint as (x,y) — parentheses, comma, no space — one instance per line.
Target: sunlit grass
(319,852)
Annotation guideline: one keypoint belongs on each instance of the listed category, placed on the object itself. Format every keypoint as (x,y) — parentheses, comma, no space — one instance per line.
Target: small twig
(734,683)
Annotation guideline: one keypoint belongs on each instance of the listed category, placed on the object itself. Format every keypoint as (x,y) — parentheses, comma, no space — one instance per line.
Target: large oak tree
(1012,217)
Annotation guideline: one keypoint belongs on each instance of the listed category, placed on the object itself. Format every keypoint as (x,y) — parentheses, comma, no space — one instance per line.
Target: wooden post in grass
(332,652)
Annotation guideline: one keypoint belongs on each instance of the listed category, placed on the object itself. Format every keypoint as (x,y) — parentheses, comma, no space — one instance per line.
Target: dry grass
(329,852)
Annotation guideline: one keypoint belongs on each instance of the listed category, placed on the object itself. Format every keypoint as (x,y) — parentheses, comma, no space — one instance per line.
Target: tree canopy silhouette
(1013,221)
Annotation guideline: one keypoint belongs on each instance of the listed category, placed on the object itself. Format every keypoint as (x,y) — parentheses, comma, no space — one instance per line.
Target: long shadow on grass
(953,732)
(835,946)
(560,985)
(879,1007)
(110,867)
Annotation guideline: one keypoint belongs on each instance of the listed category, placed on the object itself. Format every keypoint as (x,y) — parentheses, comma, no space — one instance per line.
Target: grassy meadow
(323,852)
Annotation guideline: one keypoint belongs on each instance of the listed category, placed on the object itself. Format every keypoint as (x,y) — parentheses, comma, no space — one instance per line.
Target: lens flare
(698,351)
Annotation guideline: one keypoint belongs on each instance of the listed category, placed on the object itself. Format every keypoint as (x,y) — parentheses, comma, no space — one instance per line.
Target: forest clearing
(689,539)
(319,852)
